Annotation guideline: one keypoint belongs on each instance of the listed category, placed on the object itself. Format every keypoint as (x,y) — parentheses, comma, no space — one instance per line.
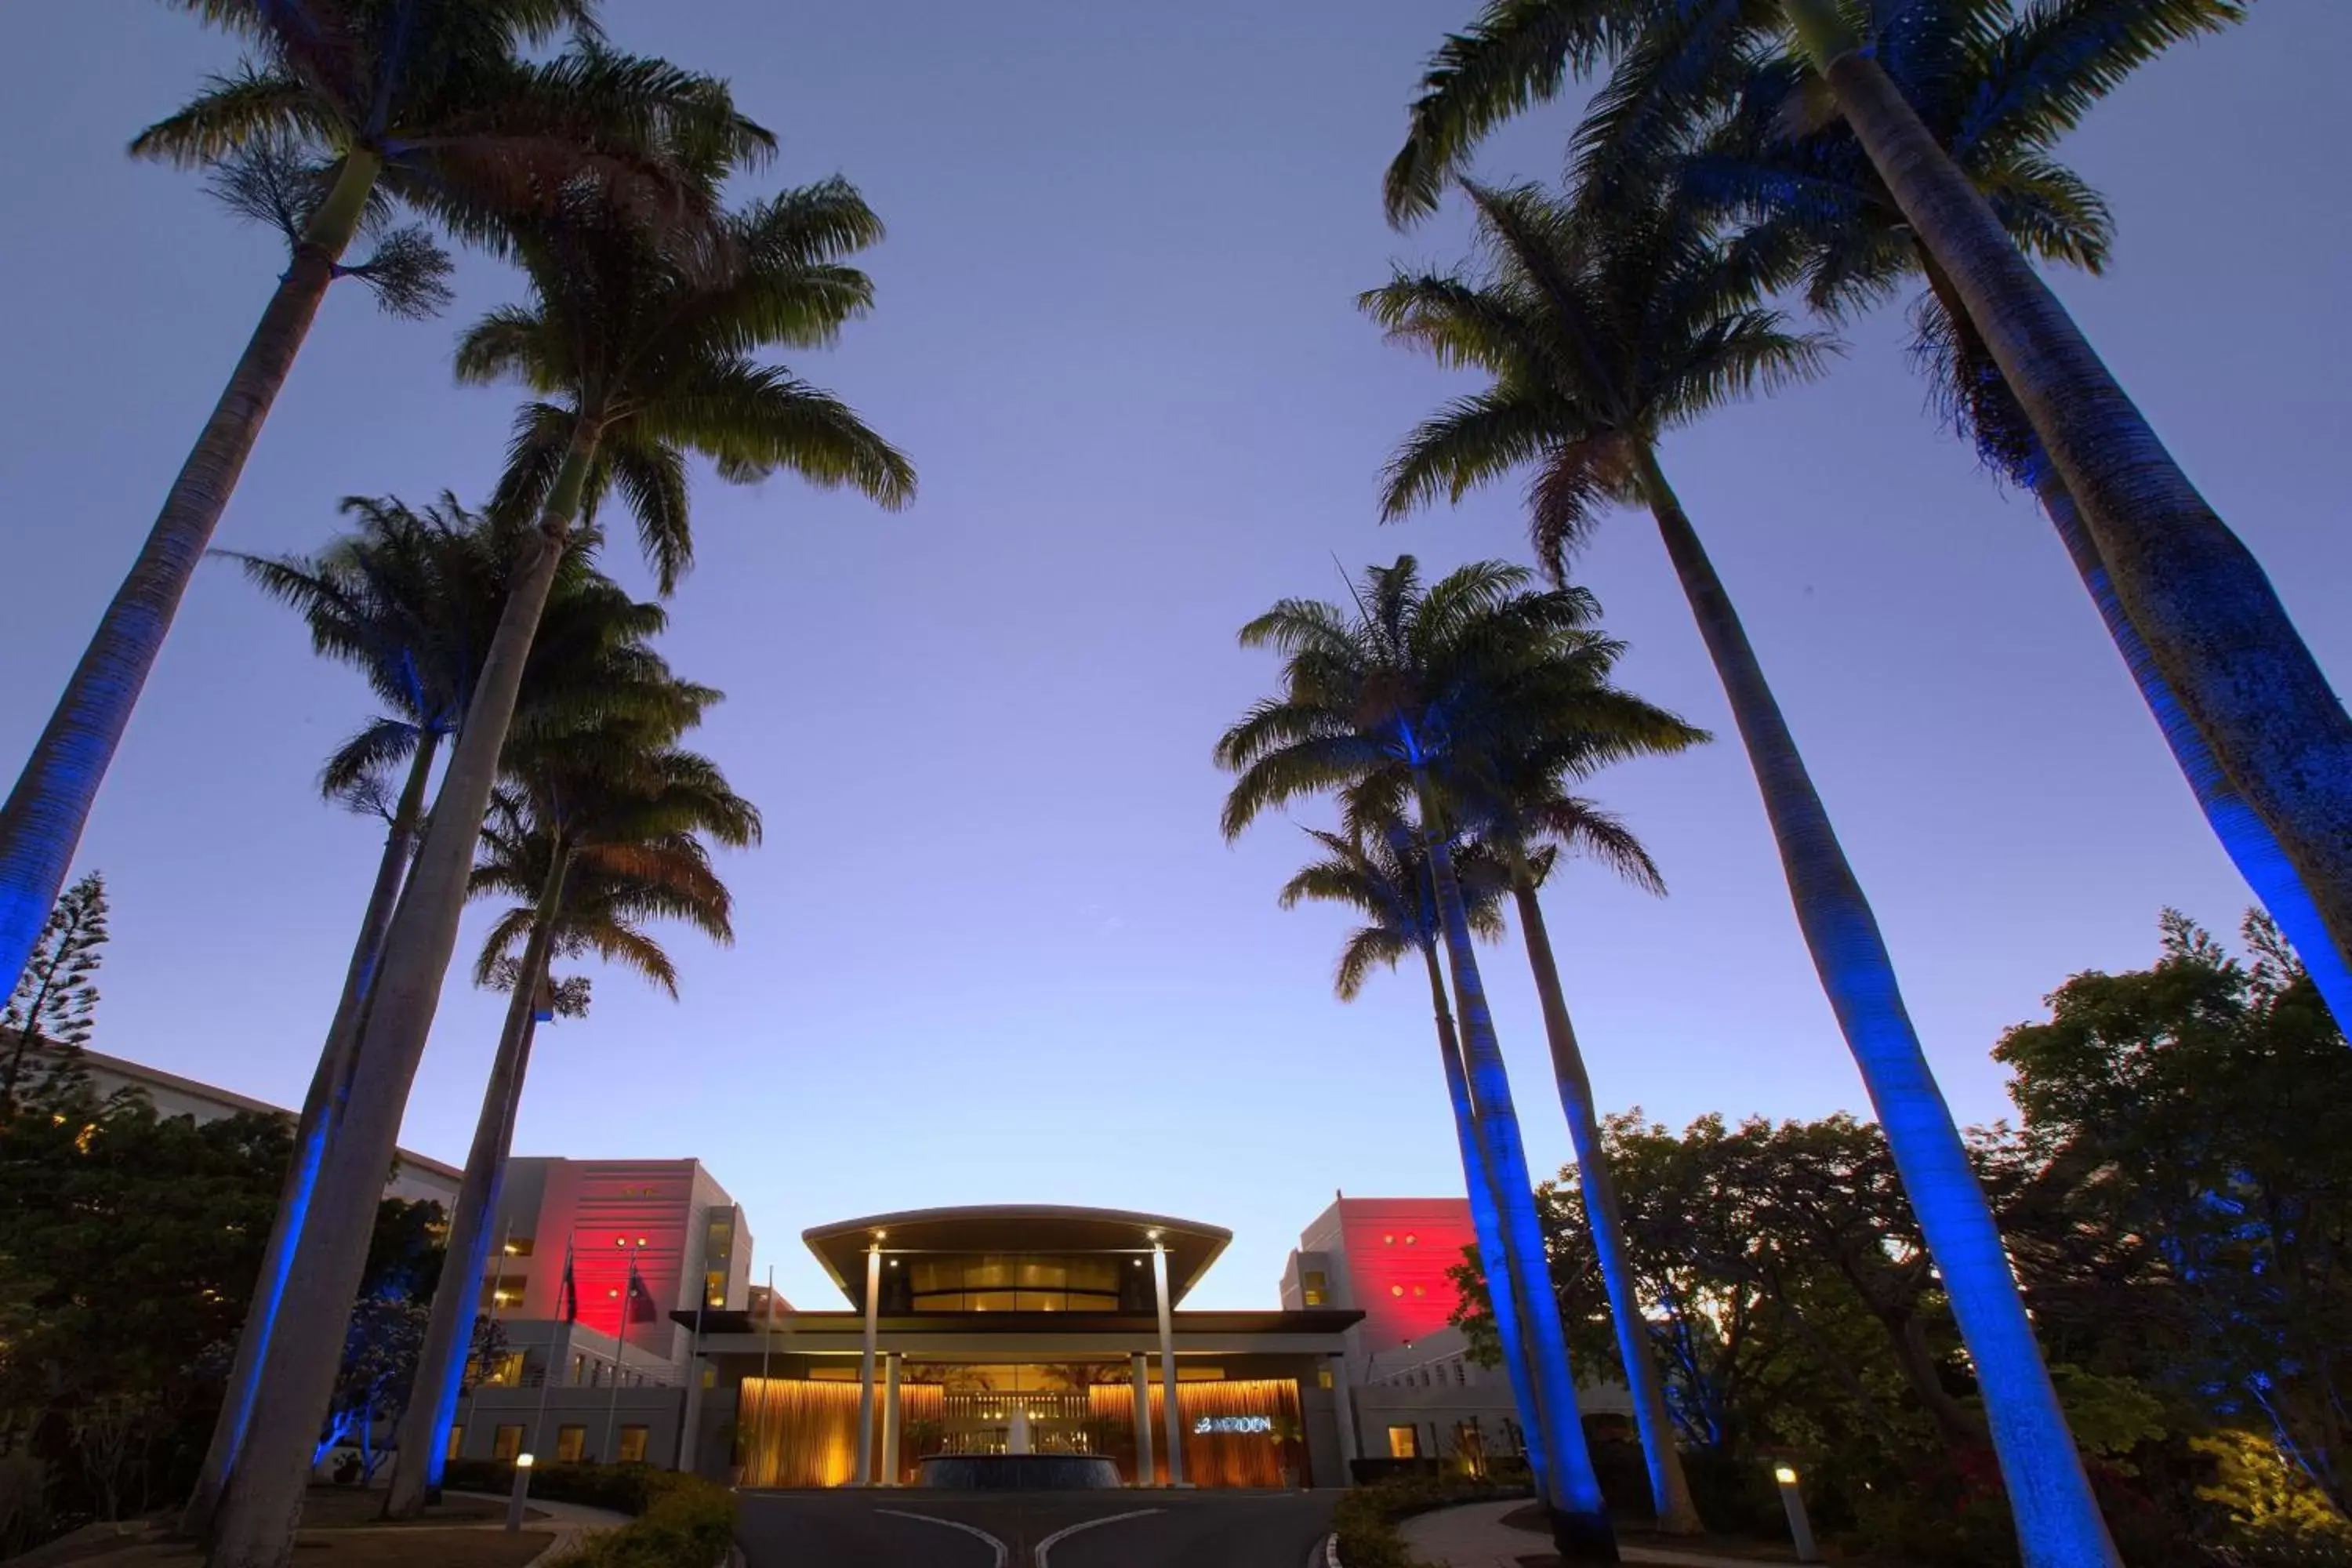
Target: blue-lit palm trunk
(1485,1224)
(2058,1520)
(1669,1489)
(1579,1520)
(2212,624)
(440,1376)
(2249,845)
(321,1113)
(254,1527)
(41,825)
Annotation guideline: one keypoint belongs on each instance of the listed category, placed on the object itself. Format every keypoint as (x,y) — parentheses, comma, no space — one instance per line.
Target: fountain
(1018,1469)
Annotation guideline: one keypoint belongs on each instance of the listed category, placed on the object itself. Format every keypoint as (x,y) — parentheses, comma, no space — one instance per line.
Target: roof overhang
(1016,1227)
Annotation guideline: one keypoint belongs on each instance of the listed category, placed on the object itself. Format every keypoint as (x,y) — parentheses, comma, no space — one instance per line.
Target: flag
(571,1286)
(642,1307)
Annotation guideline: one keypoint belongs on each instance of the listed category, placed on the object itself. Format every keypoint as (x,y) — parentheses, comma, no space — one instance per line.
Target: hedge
(1366,1519)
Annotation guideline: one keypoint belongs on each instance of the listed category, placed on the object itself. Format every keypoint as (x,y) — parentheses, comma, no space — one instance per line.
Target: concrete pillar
(1143,1467)
(1343,1409)
(863,1476)
(889,1476)
(1168,1363)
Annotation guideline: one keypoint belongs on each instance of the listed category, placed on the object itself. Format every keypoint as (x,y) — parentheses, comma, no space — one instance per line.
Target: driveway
(912,1528)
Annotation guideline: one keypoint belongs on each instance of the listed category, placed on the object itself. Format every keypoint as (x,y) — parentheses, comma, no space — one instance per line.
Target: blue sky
(994,949)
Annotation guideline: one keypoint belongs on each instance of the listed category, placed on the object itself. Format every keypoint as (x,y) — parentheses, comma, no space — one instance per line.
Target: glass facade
(1015,1283)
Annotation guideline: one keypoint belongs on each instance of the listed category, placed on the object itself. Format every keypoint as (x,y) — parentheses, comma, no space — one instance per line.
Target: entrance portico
(1036,1328)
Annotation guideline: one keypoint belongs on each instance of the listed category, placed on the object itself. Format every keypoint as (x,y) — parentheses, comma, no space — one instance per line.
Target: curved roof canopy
(1045,1228)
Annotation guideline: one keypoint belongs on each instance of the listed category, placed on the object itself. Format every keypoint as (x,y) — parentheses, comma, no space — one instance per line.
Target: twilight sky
(994,949)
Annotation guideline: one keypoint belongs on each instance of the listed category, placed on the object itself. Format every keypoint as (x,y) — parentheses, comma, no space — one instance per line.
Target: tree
(1533,820)
(2214,627)
(599,832)
(647,334)
(55,1002)
(1602,327)
(1860,248)
(411,600)
(1378,871)
(1410,692)
(2191,1123)
(344,108)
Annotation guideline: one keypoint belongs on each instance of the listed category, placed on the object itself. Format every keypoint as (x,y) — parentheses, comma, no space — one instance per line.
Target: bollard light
(522,1491)
(1792,1502)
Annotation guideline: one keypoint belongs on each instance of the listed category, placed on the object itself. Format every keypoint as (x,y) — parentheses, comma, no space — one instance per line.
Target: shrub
(1365,1518)
(690,1524)
(621,1489)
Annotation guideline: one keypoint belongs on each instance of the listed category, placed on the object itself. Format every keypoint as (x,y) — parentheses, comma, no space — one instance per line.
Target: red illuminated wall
(605,1207)
(1398,1250)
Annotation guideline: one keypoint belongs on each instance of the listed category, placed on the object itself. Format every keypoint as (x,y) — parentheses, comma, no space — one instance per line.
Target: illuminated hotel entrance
(1042,1330)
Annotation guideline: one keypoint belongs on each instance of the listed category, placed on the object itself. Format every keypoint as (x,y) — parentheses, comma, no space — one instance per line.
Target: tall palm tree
(1533,822)
(647,336)
(410,600)
(425,103)
(1861,248)
(1377,870)
(596,833)
(1407,689)
(2211,622)
(1602,328)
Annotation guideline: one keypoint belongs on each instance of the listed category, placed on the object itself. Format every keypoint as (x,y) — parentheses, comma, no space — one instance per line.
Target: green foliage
(1365,1518)
(640,342)
(128,1242)
(1598,327)
(2180,1194)
(618,1489)
(2270,1504)
(688,1523)
(47,1020)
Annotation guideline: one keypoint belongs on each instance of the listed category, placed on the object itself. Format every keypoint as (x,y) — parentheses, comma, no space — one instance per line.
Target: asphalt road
(912,1528)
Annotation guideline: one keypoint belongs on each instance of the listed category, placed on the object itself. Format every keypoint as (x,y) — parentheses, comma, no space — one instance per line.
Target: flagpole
(547,1375)
(620,1358)
(767,1341)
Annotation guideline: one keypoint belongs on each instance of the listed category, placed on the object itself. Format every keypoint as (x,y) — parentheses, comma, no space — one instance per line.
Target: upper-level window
(1312,1287)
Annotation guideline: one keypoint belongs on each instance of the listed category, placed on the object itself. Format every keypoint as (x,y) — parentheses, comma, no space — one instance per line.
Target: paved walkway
(569,1524)
(1474,1536)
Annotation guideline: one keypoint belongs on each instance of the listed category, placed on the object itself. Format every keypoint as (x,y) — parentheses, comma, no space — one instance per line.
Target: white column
(889,1476)
(1168,1363)
(1142,1366)
(1343,1408)
(863,1476)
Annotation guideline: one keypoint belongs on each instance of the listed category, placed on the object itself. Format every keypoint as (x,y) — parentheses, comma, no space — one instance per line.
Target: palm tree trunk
(264,1503)
(321,1112)
(1579,1520)
(1487,1225)
(2212,621)
(2252,848)
(441,1361)
(1677,1514)
(2058,1520)
(41,825)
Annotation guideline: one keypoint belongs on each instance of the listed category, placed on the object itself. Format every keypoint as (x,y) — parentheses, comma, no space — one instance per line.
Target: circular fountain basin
(1018,1472)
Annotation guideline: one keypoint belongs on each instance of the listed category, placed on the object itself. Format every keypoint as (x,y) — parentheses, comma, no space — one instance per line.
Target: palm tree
(2212,624)
(1377,870)
(1411,689)
(1533,822)
(647,335)
(1860,249)
(596,833)
(345,108)
(410,600)
(1603,327)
